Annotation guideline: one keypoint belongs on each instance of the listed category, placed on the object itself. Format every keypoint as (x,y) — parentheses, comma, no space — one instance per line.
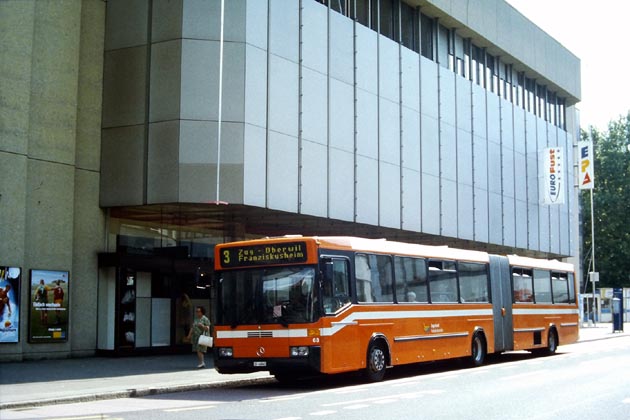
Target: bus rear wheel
(478,350)
(376,363)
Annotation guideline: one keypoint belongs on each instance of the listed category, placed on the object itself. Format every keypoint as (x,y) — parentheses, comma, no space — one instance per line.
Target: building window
(409,27)
(427,31)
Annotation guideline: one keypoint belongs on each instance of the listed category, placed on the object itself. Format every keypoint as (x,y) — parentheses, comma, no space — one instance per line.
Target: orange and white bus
(293,305)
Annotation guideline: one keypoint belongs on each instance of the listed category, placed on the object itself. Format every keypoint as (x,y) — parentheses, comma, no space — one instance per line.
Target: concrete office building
(415,120)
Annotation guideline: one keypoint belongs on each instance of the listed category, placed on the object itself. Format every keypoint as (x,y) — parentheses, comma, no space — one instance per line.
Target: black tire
(552,343)
(478,350)
(376,363)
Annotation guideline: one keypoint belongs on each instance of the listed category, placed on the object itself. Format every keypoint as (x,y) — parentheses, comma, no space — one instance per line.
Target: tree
(611,201)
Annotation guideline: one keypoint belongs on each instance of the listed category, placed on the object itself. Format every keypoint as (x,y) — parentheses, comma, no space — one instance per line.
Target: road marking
(386,401)
(82,418)
(323,413)
(289,418)
(374,399)
(523,375)
(275,399)
(199,407)
(356,406)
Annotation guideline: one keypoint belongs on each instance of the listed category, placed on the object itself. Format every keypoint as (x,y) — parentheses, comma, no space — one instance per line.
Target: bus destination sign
(254,255)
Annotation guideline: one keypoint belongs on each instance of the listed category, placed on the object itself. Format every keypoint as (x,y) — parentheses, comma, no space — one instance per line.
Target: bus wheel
(552,342)
(376,363)
(478,350)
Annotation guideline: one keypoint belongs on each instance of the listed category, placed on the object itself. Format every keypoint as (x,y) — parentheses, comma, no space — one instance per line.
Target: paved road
(583,381)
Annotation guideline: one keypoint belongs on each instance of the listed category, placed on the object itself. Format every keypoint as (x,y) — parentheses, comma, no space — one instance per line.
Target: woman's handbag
(206,340)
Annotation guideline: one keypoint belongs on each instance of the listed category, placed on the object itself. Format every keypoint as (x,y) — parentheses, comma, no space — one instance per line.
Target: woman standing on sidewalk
(201,325)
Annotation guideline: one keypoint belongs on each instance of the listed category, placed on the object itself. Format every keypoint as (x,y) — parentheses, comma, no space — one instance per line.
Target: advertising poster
(10,278)
(553,180)
(48,306)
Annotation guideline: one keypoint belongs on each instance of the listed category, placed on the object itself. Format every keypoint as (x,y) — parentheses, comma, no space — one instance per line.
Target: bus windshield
(276,295)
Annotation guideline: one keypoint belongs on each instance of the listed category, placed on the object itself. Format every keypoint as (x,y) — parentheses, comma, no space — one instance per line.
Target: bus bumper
(309,364)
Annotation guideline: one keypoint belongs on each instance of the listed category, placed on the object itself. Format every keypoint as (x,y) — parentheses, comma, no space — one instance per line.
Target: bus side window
(335,287)
(522,285)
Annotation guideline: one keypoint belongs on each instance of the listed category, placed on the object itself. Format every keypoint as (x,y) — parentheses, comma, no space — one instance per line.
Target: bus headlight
(226,352)
(301,351)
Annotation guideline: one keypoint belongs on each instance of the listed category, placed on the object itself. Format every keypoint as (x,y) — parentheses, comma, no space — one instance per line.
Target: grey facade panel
(254,166)
(411,204)
(366,56)
(464,158)
(341,46)
(314,179)
(165,81)
(447,97)
(479,120)
(166,20)
(315,38)
(315,105)
(429,88)
(255,86)
(366,190)
(284,29)
(464,103)
(448,208)
(509,222)
(201,20)
(389,196)
(282,172)
(430,145)
(410,79)
(495,218)
(480,195)
(480,162)
(465,211)
(126,24)
(341,185)
(124,87)
(494,167)
(448,152)
(341,115)
(200,80)
(367,124)
(163,162)
(283,96)
(389,132)
(430,204)
(122,178)
(410,139)
(388,69)
(521,224)
(257,23)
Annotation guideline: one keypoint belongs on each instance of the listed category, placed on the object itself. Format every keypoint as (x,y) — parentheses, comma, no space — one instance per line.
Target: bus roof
(518,261)
(400,248)
(385,246)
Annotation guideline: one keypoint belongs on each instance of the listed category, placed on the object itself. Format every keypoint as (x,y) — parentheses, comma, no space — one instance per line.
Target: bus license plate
(260,364)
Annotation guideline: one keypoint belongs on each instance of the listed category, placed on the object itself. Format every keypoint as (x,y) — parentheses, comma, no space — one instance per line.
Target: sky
(598,33)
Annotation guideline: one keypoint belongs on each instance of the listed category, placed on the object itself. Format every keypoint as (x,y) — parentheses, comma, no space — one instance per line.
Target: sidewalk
(44,382)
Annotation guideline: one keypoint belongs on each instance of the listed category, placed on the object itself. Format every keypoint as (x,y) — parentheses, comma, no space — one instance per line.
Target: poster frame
(59,330)
(10,323)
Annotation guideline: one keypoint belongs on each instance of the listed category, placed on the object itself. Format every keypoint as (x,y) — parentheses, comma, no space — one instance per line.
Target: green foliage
(611,205)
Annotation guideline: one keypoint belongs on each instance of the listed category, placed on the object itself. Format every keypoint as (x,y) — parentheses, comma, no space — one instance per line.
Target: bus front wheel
(376,363)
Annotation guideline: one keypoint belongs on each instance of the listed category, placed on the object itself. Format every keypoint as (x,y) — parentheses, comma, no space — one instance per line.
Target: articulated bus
(294,305)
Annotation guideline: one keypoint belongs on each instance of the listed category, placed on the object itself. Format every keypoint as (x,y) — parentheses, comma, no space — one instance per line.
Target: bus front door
(501,288)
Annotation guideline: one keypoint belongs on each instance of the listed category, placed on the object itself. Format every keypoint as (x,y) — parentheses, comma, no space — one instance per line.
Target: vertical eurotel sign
(553,175)
(586,179)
